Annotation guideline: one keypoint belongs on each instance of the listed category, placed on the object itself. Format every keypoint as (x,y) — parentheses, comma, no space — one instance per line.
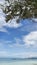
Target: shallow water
(19,62)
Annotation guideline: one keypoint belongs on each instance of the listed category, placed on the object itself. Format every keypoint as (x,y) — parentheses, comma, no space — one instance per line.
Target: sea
(10,61)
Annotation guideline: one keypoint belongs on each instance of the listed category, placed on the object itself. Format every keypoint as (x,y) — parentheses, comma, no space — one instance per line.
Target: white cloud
(15,45)
(3,54)
(13,24)
(7,53)
(31,38)
(3,30)
(4,41)
(25,54)
(2,2)
(18,55)
(34,19)
(2,22)
(18,43)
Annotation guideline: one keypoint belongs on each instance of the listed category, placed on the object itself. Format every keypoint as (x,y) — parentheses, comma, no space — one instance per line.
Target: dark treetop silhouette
(24,9)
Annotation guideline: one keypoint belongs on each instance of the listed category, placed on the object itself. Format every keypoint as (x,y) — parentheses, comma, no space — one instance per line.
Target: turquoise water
(19,62)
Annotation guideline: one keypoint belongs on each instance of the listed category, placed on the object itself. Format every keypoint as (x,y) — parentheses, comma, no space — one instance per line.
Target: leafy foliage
(26,9)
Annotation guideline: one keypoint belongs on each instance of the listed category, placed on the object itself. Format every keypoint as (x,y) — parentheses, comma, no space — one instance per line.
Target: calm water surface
(19,62)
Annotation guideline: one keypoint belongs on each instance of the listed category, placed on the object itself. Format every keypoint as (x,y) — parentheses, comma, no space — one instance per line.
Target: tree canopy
(26,9)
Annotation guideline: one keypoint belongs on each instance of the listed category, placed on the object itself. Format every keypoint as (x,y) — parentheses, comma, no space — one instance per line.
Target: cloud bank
(31,38)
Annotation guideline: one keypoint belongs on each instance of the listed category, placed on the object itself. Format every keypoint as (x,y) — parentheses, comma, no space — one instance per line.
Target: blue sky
(18,40)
